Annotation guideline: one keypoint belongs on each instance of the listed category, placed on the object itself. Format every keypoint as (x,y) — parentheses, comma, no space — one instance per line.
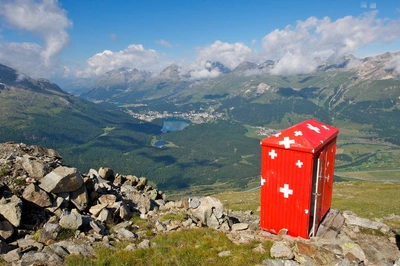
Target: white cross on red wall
(299,163)
(286,191)
(263,181)
(273,154)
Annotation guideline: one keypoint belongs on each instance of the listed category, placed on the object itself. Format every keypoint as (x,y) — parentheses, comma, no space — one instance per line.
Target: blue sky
(69,38)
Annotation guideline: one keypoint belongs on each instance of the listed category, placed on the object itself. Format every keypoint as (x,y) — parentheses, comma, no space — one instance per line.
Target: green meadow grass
(195,247)
(371,200)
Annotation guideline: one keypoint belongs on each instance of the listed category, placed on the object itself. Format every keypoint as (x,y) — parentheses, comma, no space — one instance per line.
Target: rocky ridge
(40,199)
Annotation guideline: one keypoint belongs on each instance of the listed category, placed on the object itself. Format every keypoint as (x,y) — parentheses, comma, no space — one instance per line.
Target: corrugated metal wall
(286,178)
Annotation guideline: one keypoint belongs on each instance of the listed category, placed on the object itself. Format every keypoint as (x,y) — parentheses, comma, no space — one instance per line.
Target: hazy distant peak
(351,57)
(246,65)
(122,76)
(170,72)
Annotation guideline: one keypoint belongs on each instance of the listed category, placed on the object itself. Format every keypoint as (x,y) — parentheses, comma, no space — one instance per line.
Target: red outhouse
(296,178)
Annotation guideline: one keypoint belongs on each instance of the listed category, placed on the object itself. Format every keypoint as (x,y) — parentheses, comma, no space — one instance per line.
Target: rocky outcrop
(96,209)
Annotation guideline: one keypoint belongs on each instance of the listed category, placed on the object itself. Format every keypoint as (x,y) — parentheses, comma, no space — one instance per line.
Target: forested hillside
(198,155)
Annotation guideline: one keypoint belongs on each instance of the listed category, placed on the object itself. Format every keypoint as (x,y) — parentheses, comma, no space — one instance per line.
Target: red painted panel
(285,190)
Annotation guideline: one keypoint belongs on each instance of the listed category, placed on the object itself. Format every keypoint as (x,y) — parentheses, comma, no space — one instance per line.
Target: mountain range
(132,85)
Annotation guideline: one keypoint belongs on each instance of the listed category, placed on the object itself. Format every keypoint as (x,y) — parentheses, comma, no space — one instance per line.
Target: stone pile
(42,199)
(40,194)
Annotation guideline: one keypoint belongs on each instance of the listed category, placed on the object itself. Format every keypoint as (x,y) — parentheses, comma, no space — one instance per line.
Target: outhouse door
(316,196)
(321,196)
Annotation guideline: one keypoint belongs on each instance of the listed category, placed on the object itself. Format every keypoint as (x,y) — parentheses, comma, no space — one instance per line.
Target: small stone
(49,232)
(71,220)
(281,250)
(226,253)
(108,199)
(283,232)
(12,255)
(11,209)
(240,226)
(96,209)
(144,244)
(351,250)
(106,173)
(34,194)
(6,230)
(126,234)
(97,227)
(80,198)
(25,244)
(60,251)
(105,216)
(130,247)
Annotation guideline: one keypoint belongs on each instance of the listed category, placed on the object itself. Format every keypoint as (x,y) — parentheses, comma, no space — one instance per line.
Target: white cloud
(229,54)
(134,56)
(44,18)
(394,63)
(322,38)
(292,64)
(164,43)
(41,18)
(204,73)
(26,58)
(253,43)
(20,52)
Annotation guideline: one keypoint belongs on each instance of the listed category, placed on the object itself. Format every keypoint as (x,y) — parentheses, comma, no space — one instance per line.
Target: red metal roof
(307,136)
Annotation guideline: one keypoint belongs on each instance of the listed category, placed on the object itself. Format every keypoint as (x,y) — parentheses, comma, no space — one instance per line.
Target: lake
(160,143)
(173,124)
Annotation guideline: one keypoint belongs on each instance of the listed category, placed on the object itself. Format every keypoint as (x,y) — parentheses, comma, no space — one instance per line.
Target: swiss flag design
(288,166)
